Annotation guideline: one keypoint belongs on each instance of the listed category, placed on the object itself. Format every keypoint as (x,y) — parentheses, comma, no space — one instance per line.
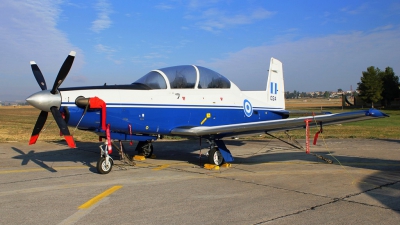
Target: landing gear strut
(105,162)
(145,148)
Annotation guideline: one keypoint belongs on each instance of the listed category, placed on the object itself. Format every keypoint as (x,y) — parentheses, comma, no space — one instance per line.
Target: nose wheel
(104,165)
(105,162)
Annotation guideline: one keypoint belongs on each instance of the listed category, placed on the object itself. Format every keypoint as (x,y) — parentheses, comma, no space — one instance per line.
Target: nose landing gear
(105,162)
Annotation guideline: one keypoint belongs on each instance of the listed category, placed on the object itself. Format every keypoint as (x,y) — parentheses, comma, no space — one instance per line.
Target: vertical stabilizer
(275,85)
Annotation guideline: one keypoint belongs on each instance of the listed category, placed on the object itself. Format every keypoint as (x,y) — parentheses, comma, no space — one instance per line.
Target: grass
(16,124)
(387,128)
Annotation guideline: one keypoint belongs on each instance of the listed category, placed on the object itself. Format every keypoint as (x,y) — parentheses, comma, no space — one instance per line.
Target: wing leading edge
(279,125)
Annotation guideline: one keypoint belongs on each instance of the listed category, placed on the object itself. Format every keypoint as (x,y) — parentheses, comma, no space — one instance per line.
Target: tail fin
(275,85)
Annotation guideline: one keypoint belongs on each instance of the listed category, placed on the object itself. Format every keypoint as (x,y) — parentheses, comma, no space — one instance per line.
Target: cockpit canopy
(186,76)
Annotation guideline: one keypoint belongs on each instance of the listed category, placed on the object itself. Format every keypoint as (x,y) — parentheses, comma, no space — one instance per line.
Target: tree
(327,94)
(295,94)
(390,86)
(287,93)
(371,85)
(339,90)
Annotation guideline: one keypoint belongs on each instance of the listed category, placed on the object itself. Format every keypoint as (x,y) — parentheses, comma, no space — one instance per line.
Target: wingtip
(72,53)
(32,62)
(376,113)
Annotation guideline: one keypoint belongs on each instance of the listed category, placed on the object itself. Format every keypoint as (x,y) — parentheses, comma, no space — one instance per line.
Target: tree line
(377,85)
(298,94)
(319,94)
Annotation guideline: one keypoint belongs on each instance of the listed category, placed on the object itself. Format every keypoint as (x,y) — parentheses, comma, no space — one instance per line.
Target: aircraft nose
(44,100)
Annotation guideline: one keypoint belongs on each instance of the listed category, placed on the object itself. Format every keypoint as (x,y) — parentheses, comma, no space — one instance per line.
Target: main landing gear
(215,156)
(145,148)
(218,153)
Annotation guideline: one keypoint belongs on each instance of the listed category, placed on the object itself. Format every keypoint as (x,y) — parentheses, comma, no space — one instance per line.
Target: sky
(323,45)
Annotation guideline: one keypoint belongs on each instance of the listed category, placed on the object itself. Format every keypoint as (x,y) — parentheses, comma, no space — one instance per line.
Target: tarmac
(269,182)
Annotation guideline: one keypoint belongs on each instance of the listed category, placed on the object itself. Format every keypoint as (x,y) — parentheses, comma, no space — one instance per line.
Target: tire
(215,157)
(148,150)
(145,148)
(102,167)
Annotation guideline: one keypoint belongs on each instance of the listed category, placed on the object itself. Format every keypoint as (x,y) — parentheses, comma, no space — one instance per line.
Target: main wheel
(215,157)
(145,148)
(148,150)
(103,167)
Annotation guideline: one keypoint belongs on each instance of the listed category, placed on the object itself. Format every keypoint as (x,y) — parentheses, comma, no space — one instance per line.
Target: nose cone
(44,100)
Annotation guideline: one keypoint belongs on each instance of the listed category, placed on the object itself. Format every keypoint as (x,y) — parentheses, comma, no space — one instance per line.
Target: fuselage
(160,111)
(166,99)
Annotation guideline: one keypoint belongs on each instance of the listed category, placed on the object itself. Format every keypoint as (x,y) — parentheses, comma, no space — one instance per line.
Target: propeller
(50,101)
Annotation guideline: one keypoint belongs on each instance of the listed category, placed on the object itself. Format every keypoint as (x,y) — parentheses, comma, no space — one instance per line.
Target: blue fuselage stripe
(161,119)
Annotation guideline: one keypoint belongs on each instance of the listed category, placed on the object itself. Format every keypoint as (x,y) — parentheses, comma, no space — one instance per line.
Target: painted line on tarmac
(74,218)
(164,166)
(161,167)
(368,164)
(324,163)
(94,200)
(127,180)
(88,206)
(43,169)
(147,164)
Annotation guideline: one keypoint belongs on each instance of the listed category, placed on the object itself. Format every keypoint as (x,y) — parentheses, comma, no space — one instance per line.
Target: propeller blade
(66,114)
(38,75)
(63,127)
(38,127)
(62,74)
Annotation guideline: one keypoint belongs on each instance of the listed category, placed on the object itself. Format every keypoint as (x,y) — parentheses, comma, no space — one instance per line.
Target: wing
(279,125)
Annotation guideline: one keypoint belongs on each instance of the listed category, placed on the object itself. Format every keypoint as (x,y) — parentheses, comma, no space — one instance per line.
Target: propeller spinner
(50,101)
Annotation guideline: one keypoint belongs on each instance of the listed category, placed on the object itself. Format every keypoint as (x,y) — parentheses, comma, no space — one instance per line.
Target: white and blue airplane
(185,100)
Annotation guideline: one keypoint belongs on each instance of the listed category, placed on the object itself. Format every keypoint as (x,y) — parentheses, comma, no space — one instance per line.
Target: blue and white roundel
(247,108)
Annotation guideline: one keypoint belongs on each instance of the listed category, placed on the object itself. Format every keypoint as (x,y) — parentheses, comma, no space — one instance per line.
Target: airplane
(186,100)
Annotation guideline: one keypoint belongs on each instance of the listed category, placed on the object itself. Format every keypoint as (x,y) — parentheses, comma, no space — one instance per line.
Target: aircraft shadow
(44,158)
(189,151)
(87,153)
(383,186)
(390,140)
(31,156)
(378,187)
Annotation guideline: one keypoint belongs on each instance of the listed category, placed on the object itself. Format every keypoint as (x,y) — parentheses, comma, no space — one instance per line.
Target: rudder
(275,85)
